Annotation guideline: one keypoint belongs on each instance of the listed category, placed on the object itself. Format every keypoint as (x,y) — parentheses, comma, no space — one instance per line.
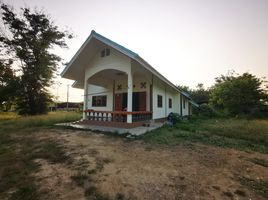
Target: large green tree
(28,39)
(8,83)
(239,94)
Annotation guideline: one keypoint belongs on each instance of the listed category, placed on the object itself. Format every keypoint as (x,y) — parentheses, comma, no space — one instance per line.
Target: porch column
(85,99)
(129,96)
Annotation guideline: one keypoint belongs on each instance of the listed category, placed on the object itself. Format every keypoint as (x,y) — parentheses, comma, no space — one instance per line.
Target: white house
(119,86)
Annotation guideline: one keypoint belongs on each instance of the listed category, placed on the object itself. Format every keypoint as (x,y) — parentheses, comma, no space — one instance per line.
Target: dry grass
(240,134)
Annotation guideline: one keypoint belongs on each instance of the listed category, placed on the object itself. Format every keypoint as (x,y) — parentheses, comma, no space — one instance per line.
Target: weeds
(18,150)
(80,179)
(228,133)
(19,123)
(260,187)
(258,161)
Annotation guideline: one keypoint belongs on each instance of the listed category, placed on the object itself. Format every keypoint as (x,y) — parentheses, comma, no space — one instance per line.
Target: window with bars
(169,103)
(99,101)
(159,101)
(105,52)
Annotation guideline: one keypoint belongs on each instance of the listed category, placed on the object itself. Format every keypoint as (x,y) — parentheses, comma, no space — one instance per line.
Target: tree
(28,40)
(184,88)
(8,82)
(200,95)
(238,94)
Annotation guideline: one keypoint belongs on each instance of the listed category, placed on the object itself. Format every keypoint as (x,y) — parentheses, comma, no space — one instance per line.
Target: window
(184,103)
(169,103)
(159,101)
(105,52)
(99,101)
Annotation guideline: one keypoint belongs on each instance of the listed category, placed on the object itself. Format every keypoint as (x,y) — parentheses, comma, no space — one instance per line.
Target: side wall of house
(164,90)
(185,106)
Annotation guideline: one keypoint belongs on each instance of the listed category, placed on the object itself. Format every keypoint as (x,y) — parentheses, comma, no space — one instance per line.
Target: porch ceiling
(106,77)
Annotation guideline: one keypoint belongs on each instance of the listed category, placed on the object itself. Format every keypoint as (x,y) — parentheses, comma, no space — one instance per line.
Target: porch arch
(106,77)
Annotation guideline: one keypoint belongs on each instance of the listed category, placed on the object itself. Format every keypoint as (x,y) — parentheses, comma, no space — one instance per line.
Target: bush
(174,118)
(205,110)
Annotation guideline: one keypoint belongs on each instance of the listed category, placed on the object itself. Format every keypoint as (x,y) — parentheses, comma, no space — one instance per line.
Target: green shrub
(206,110)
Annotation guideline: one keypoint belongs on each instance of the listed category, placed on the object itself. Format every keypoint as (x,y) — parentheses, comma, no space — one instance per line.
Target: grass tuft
(258,161)
(20,123)
(25,193)
(260,187)
(18,150)
(240,134)
(80,179)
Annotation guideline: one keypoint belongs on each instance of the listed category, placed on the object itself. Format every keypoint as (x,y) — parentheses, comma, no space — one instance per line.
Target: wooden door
(142,101)
(118,104)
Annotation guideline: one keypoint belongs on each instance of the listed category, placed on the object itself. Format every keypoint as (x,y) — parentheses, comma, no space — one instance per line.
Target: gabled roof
(124,51)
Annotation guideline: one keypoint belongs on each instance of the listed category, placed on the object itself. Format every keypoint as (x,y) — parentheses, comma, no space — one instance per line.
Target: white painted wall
(160,88)
(115,61)
(185,111)
(136,88)
(94,90)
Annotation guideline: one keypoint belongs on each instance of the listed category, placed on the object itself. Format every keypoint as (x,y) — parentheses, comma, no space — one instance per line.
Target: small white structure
(119,86)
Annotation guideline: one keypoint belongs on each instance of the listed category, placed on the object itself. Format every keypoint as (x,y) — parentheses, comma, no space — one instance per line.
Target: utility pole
(67,104)
(57,97)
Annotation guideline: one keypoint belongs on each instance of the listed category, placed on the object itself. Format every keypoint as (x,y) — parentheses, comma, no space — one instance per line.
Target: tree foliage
(8,82)
(28,40)
(200,95)
(238,94)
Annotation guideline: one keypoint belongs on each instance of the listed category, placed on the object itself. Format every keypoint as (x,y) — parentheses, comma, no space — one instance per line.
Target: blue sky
(189,42)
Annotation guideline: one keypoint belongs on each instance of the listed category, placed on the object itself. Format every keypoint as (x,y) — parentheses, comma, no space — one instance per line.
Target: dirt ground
(122,169)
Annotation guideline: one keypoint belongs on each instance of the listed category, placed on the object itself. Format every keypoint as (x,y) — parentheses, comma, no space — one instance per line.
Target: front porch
(114,97)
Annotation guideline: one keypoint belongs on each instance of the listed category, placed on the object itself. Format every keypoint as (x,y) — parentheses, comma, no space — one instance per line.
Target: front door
(138,101)
(142,101)
(118,102)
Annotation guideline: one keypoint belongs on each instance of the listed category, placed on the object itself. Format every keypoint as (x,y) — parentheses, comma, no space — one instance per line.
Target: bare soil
(119,168)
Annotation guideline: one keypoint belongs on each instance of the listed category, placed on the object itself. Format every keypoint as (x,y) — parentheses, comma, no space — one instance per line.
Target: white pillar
(85,99)
(129,96)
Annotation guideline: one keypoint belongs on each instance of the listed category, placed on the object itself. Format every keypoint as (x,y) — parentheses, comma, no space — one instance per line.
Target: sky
(187,41)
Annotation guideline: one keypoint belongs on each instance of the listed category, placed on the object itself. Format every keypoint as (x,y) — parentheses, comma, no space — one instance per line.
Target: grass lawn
(240,134)
(19,148)
(21,144)
(12,123)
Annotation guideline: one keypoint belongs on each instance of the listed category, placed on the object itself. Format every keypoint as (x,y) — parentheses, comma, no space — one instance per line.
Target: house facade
(120,86)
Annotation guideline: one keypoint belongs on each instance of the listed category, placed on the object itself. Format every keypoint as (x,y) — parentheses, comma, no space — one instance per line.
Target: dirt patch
(133,170)
(54,180)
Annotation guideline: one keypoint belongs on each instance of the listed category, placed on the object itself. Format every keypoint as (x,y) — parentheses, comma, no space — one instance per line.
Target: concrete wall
(185,111)
(94,90)
(115,61)
(137,80)
(160,88)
